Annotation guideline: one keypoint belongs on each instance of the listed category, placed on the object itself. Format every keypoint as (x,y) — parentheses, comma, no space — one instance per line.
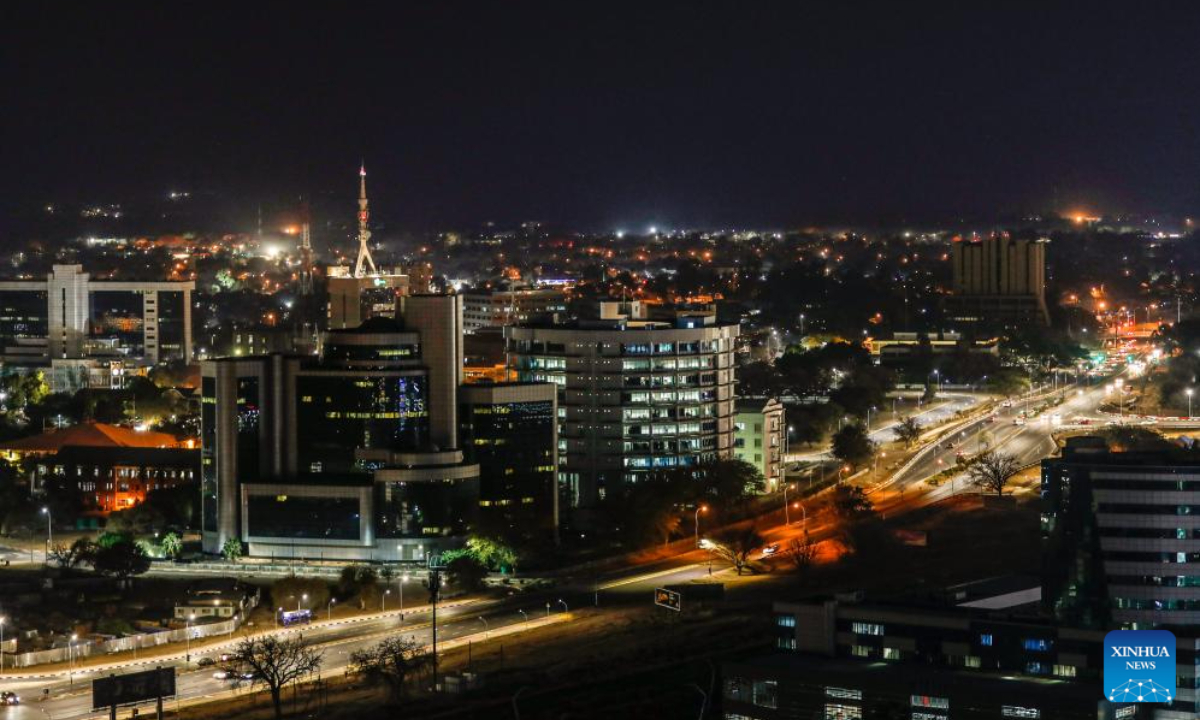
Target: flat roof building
(68,315)
(634,395)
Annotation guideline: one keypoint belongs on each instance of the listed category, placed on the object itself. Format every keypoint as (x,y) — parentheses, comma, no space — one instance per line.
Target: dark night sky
(607,114)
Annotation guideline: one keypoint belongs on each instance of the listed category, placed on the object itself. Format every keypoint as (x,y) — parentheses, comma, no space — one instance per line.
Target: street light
(385,597)
(403,579)
(1189,394)
(564,604)
(524,615)
(303,598)
(187,635)
(49,532)
(696,517)
(329,609)
(71,658)
(487,629)
(805,516)
(787,520)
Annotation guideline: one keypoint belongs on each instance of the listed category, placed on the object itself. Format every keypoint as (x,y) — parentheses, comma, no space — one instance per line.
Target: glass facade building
(344,456)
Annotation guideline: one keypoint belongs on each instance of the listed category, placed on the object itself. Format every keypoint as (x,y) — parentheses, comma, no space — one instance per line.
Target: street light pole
(385,597)
(329,609)
(487,629)
(1189,394)
(187,635)
(564,604)
(2,645)
(696,518)
(787,520)
(49,532)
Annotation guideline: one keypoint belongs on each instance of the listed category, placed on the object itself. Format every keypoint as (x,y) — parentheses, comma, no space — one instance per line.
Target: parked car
(205,662)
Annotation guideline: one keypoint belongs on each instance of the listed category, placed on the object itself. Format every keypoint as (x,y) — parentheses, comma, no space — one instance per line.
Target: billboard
(133,688)
(669,599)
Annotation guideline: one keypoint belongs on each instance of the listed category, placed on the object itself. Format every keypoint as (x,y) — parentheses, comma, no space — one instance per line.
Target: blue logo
(1139,666)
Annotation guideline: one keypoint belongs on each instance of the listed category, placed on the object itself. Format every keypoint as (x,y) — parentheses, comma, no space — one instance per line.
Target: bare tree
(391,663)
(801,553)
(274,662)
(735,545)
(991,471)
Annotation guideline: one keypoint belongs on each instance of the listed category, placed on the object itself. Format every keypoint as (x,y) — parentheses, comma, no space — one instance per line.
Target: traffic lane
(66,680)
(461,624)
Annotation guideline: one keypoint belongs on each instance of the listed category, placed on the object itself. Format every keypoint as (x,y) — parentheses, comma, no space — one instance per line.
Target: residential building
(351,455)
(999,280)
(68,315)
(759,438)
(216,599)
(634,395)
(511,431)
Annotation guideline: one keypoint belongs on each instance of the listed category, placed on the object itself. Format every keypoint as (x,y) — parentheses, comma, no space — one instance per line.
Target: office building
(351,455)
(999,281)
(908,348)
(511,431)
(1123,532)
(976,651)
(354,300)
(484,308)
(70,316)
(759,438)
(634,395)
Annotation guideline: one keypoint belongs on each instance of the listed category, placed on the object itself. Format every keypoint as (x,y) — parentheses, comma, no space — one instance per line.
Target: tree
(288,592)
(121,560)
(991,471)
(466,572)
(1008,382)
(232,549)
(493,552)
(852,445)
(361,581)
(390,663)
(77,553)
(801,553)
(1128,438)
(734,545)
(274,662)
(908,431)
(851,504)
(172,546)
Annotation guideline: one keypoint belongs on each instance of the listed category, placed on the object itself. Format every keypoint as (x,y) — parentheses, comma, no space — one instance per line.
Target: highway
(883,423)
(69,693)
(1028,442)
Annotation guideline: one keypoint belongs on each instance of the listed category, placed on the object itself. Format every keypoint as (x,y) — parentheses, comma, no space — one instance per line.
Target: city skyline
(611,118)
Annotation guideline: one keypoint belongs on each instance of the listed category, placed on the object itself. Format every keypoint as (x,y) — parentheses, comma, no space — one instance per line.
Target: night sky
(607,115)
